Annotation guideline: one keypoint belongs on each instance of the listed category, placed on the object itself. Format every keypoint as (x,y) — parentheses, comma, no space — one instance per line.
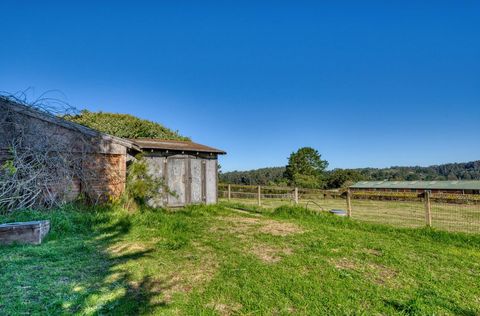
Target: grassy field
(218,260)
(445,216)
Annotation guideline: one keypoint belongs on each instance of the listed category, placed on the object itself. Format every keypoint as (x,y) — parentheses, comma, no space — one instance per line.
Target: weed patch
(270,254)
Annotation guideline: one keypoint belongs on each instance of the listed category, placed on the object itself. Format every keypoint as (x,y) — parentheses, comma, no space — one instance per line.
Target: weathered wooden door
(197,180)
(177,179)
(186,179)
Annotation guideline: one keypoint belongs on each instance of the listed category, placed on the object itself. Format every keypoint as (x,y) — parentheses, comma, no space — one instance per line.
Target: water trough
(24,232)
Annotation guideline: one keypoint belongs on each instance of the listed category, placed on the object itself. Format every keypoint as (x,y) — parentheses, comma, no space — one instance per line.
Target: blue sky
(367,83)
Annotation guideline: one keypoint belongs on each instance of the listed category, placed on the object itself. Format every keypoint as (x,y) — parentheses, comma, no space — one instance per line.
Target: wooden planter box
(24,232)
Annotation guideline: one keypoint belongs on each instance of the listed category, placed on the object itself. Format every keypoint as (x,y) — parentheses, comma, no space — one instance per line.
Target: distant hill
(263,176)
(451,171)
(124,125)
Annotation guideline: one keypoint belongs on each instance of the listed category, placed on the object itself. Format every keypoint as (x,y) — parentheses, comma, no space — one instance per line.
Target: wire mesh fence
(270,197)
(405,212)
(451,212)
(456,214)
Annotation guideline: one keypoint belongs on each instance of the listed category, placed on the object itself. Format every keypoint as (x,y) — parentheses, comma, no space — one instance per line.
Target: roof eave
(172,145)
(219,152)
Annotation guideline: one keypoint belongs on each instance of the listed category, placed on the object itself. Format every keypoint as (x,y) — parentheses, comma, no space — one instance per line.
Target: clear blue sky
(367,83)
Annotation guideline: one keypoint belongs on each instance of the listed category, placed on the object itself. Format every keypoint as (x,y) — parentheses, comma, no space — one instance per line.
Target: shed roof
(427,185)
(176,145)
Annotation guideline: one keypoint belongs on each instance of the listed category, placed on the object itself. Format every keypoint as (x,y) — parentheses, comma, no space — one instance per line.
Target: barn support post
(295,195)
(229,192)
(349,203)
(259,196)
(428,208)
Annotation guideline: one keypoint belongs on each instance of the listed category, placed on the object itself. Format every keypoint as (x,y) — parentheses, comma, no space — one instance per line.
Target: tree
(342,178)
(142,185)
(306,168)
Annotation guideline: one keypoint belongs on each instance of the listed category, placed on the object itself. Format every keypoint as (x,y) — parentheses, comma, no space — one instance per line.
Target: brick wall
(107,175)
(104,159)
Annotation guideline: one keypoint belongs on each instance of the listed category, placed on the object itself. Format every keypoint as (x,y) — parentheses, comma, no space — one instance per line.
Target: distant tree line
(451,171)
(306,169)
(263,176)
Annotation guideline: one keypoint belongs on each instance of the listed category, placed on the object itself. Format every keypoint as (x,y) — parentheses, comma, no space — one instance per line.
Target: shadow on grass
(77,273)
(416,305)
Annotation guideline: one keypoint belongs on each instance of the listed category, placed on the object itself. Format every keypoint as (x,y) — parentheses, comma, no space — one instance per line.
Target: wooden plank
(211,177)
(428,208)
(204,181)
(349,203)
(259,196)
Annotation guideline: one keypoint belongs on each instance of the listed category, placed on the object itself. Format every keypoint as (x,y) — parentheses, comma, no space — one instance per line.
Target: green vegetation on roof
(451,185)
(124,125)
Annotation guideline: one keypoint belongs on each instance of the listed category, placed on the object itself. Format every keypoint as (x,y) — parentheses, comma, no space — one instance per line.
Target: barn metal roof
(176,145)
(428,185)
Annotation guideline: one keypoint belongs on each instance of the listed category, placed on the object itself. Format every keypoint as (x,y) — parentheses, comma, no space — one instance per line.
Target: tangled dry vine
(43,167)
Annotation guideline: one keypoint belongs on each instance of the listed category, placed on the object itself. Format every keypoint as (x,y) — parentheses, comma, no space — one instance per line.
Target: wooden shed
(189,170)
(99,158)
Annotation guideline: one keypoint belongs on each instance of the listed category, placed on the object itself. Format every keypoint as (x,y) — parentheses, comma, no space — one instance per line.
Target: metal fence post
(295,196)
(229,192)
(349,203)
(259,195)
(428,208)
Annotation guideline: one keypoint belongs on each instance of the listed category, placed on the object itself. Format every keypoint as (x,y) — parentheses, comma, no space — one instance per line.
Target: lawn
(233,259)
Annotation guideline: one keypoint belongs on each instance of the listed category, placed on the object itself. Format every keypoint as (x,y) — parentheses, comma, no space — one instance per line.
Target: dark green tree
(263,176)
(306,168)
(342,178)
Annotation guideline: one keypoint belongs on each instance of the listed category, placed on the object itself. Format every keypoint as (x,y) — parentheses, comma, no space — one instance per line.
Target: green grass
(210,260)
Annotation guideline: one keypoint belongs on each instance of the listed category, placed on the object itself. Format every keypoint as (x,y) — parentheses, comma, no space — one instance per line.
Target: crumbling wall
(70,160)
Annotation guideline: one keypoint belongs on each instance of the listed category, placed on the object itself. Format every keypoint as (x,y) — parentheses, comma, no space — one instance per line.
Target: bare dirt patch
(190,275)
(379,273)
(243,220)
(345,264)
(270,254)
(373,252)
(244,212)
(128,247)
(225,309)
(280,228)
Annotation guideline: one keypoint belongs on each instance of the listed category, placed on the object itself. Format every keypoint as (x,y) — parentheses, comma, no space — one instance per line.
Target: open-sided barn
(457,186)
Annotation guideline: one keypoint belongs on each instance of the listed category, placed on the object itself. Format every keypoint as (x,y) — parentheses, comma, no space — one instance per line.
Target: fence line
(453,212)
